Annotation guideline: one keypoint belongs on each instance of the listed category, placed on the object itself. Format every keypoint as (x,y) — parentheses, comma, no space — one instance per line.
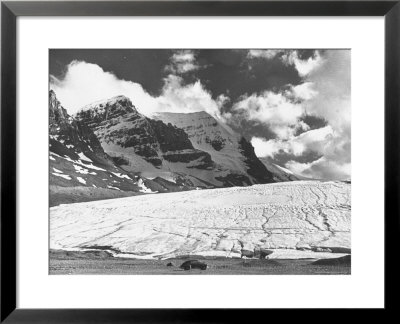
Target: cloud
(334,148)
(303,67)
(332,81)
(264,148)
(182,61)
(278,114)
(290,57)
(303,91)
(274,110)
(326,94)
(322,168)
(267,54)
(313,140)
(85,83)
(177,97)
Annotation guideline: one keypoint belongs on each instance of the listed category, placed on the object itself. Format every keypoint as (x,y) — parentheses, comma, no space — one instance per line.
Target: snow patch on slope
(283,169)
(143,187)
(67,177)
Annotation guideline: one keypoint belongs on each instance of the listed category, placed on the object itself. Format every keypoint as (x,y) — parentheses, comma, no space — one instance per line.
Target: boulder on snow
(246,253)
(264,253)
(193,264)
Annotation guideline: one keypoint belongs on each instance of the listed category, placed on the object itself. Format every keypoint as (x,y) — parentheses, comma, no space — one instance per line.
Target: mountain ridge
(110,145)
(166,146)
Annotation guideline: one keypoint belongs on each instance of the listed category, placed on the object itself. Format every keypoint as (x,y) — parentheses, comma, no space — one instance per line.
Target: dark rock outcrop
(69,136)
(255,167)
(232,154)
(193,264)
(77,159)
(117,122)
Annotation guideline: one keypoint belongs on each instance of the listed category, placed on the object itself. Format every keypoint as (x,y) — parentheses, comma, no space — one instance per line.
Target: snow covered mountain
(191,150)
(109,149)
(227,149)
(80,170)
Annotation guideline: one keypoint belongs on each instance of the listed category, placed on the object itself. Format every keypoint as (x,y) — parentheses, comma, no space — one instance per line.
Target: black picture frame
(9,13)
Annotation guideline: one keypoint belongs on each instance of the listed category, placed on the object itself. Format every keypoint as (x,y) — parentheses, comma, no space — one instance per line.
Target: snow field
(294,219)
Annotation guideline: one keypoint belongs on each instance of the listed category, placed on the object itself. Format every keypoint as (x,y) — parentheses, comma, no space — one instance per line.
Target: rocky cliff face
(110,145)
(74,136)
(234,157)
(144,144)
(279,173)
(255,167)
(80,170)
(116,122)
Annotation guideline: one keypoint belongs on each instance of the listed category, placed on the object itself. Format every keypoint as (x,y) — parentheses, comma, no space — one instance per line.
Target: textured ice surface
(295,219)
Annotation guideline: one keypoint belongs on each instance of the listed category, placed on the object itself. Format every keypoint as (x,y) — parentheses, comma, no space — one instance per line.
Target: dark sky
(221,72)
(142,66)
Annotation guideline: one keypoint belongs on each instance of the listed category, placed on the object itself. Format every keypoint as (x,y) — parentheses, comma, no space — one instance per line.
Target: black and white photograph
(199,161)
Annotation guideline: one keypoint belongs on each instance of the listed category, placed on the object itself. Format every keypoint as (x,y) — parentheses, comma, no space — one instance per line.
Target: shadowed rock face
(255,167)
(280,174)
(170,138)
(77,159)
(227,149)
(233,180)
(74,136)
(97,113)
(116,121)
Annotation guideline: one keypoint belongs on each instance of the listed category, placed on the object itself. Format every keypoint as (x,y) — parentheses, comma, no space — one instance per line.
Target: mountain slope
(227,149)
(280,173)
(154,147)
(78,160)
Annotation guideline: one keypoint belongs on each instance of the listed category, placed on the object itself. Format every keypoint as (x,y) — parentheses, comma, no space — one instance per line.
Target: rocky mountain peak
(70,137)
(232,153)
(204,131)
(104,110)
(57,114)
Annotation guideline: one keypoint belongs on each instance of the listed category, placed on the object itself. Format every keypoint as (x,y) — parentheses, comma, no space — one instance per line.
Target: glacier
(300,219)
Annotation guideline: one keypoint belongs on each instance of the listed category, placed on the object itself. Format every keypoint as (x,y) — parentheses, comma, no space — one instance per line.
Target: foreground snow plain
(294,219)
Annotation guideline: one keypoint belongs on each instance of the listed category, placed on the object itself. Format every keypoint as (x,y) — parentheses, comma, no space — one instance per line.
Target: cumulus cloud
(334,148)
(264,148)
(325,93)
(322,168)
(177,97)
(303,67)
(303,91)
(290,57)
(272,109)
(182,61)
(85,83)
(267,54)
(312,140)
(332,81)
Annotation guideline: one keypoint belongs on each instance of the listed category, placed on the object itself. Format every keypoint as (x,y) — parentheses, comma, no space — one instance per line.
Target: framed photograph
(192,155)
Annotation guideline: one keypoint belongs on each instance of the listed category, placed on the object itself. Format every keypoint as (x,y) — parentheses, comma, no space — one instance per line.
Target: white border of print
(363,288)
